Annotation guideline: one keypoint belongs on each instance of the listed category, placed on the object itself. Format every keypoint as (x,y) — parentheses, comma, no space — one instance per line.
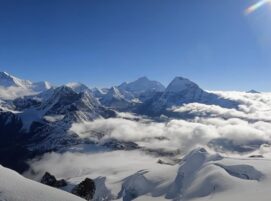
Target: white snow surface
(14,187)
(200,175)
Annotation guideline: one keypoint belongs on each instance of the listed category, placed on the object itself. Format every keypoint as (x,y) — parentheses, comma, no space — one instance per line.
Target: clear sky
(105,42)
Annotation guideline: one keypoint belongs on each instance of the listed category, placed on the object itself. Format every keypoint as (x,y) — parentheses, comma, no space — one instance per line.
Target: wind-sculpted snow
(133,175)
(242,171)
(189,166)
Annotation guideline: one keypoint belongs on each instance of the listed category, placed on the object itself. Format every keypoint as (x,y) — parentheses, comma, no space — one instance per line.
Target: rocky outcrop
(86,189)
(50,180)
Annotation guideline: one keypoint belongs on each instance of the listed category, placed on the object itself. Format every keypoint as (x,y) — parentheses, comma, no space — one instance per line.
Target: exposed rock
(120,145)
(50,180)
(86,189)
(164,162)
(256,156)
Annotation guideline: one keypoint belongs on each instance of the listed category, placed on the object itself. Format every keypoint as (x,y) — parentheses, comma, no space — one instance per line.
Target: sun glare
(256,6)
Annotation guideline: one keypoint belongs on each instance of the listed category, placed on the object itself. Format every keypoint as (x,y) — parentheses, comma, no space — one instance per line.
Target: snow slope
(128,175)
(14,187)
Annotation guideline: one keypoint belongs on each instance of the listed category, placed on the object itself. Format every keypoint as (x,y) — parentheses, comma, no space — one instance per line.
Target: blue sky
(105,42)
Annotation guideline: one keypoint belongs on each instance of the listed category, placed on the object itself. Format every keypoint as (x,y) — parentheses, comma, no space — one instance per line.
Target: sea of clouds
(250,124)
(242,131)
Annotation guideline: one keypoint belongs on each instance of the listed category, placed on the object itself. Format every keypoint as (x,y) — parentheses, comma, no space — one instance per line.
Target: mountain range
(39,120)
(71,124)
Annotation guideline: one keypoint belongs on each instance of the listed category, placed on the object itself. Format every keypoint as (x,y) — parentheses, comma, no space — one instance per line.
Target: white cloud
(249,123)
(9,93)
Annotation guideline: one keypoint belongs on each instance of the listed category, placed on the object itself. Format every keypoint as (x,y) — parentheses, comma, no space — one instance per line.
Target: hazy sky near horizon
(105,42)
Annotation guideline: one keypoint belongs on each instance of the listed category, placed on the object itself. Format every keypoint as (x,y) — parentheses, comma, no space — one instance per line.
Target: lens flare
(255,6)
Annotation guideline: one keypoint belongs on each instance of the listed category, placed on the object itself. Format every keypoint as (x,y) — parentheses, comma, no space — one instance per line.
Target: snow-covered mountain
(98,93)
(12,87)
(78,87)
(76,132)
(181,91)
(41,86)
(7,80)
(47,116)
(49,122)
(142,85)
(129,94)
(115,99)
(41,122)
(141,89)
(252,91)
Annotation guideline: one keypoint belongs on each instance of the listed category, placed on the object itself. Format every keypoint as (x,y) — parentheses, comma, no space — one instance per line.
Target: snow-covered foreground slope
(14,187)
(128,175)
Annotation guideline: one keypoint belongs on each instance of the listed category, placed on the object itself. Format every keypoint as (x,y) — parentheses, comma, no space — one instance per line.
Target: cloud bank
(235,130)
(9,93)
(247,125)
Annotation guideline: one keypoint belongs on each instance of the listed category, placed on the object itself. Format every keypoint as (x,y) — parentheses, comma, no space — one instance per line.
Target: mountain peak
(64,89)
(114,91)
(4,73)
(141,85)
(180,84)
(144,78)
(7,80)
(41,86)
(77,87)
(252,91)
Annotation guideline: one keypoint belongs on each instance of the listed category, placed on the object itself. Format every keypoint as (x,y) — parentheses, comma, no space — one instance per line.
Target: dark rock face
(256,156)
(13,154)
(86,189)
(50,180)
(120,145)
(25,102)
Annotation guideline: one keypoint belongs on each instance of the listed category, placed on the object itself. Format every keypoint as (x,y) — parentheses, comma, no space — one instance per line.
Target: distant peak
(179,78)
(141,85)
(114,89)
(252,91)
(180,84)
(77,87)
(5,74)
(74,84)
(64,88)
(143,78)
